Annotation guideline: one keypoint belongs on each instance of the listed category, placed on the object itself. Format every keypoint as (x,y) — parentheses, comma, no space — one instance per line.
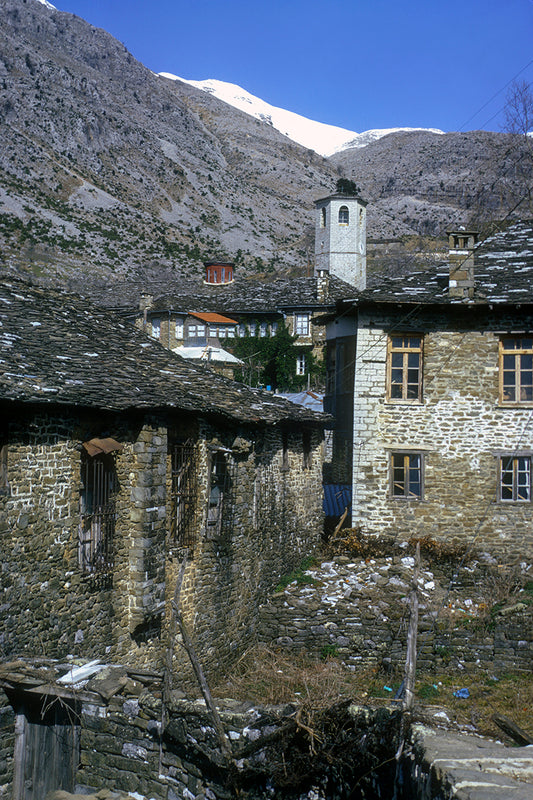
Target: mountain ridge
(325,139)
(110,172)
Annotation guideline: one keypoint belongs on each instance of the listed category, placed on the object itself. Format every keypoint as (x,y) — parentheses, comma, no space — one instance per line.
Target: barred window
(4,482)
(516,369)
(97,512)
(515,479)
(404,368)
(183,492)
(406,478)
(219,486)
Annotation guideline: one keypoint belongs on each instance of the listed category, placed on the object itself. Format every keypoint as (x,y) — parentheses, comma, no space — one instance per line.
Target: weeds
(273,677)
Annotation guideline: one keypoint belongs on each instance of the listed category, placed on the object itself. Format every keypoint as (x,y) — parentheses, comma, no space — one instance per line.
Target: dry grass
(268,676)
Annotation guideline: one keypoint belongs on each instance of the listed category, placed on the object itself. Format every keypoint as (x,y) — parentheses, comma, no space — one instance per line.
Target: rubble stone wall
(460,428)
(359,611)
(272,518)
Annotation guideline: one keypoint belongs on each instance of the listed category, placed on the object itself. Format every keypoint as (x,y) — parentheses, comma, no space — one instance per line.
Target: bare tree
(519,109)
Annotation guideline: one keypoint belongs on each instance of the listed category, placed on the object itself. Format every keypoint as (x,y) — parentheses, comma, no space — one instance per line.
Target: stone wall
(127,745)
(272,518)
(358,610)
(460,429)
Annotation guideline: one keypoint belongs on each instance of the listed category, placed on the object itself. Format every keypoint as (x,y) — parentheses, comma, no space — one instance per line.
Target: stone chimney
(146,302)
(322,285)
(462,244)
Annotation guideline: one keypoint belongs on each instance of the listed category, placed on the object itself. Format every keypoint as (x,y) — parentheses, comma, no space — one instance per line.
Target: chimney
(462,244)
(218,272)
(146,302)
(322,285)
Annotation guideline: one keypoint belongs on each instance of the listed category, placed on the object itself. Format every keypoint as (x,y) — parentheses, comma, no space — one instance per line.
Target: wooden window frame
(520,463)
(406,456)
(405,350)
(518,354)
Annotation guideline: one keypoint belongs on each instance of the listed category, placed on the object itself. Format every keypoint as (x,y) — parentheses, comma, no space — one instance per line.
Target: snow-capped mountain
(324,139)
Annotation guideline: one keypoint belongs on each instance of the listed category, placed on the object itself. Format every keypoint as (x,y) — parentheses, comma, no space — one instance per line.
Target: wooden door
(47,748)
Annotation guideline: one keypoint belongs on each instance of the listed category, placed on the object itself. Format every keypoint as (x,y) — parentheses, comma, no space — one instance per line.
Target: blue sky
(359,64)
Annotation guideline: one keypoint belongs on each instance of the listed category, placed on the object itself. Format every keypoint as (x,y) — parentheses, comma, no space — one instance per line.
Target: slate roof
(55,348)
(244,296)
(503,273)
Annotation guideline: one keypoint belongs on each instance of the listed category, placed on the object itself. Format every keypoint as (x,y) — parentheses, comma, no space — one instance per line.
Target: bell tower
(340,237)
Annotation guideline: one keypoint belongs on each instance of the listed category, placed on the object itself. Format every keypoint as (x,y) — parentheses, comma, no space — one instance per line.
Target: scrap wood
(519,735)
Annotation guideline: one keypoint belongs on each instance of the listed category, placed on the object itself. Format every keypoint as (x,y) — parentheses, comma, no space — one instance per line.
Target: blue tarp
(336,498)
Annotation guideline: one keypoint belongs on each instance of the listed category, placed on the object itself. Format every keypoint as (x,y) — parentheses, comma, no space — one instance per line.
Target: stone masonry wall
(49,605)
(459,427)
(359,610)
(272,519)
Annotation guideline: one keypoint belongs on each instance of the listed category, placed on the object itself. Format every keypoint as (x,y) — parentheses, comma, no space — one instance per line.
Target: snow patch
(323,138)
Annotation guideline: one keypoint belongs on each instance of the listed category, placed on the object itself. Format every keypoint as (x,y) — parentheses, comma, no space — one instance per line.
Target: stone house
(431,378)
(117,457)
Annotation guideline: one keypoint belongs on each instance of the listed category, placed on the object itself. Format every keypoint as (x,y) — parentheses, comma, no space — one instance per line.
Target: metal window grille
(219,491)
(183,493)
(97,513)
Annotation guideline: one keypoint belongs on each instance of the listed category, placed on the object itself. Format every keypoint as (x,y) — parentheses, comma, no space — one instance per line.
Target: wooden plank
(519,735)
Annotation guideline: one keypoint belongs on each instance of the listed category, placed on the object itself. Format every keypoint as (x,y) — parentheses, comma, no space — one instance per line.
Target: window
(241,330)
(323,218)
(306,449)
(516,370)
(4,483)
(515,479)
(213,331)
(218,489)
(263,329)
(97,511)
(300,364)
(179,329)
(404,368)
(156,327)
(285,464)
(182,508)
(252,328)
(196,331)
(230,332)
(301,324)
(344,215)
(406,475)
(273,328)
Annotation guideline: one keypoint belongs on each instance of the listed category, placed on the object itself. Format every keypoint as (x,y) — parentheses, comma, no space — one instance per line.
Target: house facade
(118,459)
(442,404)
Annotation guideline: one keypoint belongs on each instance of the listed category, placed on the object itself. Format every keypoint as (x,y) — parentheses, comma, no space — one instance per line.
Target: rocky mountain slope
(109,171)
(421,182)
(106,167)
